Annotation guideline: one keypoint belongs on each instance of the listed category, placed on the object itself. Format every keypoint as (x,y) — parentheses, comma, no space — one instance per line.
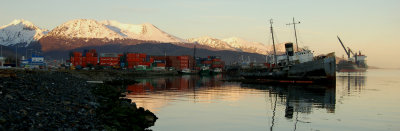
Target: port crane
(348,50)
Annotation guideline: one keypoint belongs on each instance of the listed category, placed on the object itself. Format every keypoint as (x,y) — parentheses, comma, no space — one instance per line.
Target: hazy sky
(368,25)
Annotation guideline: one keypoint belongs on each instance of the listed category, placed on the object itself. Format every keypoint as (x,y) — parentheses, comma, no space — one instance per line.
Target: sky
(369,26)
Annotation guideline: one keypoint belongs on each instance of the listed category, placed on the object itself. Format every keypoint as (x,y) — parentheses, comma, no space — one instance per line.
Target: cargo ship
(294,67)
(356,63)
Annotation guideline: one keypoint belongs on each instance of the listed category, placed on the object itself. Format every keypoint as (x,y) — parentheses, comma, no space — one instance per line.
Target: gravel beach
(45,100)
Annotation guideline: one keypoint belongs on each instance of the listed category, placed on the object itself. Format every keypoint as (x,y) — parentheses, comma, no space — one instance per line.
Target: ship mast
(295,34)
(273,41)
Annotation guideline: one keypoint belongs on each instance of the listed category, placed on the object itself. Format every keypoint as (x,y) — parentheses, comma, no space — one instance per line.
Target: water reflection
(191,102)
(353,82)
(182,84)
(153,93)
(298,99)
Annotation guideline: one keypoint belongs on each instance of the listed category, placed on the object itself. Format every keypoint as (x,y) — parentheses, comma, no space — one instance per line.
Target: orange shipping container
(216,59)
(142,55)
(132,55)
(160,64)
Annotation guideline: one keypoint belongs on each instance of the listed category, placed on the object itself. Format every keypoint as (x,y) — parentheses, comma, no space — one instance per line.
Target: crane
(348,51)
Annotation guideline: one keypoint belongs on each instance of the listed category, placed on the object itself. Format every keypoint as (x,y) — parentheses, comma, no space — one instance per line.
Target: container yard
(89,59)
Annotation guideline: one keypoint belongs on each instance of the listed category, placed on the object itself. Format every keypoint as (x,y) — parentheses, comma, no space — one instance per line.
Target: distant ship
(300,66)
(356,63)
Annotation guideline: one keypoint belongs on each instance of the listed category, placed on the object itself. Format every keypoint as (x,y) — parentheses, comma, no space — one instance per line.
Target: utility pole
(194,57)
(165,58)
(16,55)
(2,59)
(295,34)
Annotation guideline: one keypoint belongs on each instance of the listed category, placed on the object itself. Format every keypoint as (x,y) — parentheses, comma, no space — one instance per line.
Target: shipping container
(77,54)
(109,55)
(160,64)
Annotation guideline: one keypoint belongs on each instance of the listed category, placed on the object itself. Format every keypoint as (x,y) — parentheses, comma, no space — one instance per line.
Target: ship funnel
(289,49)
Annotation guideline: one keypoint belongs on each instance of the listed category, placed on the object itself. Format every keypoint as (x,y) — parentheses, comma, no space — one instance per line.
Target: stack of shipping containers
(159,61)
(180,62)
(77,59)
(132,60)
(216,62)
(135,59)
(91,57)
(109,59)
(210,61)
(177,62)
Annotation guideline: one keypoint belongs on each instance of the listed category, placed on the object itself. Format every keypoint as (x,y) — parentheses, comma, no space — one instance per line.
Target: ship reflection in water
(297,99)
(190,102)
(352,82)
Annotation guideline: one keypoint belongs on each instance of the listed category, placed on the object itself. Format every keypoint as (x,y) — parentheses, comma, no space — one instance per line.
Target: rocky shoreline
(53,100)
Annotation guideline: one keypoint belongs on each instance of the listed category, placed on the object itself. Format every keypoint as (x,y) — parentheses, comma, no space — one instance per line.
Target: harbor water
(358,102)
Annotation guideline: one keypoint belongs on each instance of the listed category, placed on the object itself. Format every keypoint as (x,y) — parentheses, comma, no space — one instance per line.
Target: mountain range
(85,33)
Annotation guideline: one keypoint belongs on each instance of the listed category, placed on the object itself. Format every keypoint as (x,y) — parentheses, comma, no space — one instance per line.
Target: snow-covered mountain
(87,28)
(83,28)
(86,32)
(246,46)
(233,43)
(80,33)
(238,44)
(212,42)
(280,48)
(20,31)
(147,32)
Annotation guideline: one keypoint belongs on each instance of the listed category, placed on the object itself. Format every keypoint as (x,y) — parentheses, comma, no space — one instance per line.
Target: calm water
(368,101)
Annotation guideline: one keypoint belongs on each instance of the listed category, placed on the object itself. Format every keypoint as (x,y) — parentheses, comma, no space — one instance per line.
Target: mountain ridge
(79,33)
(20,31)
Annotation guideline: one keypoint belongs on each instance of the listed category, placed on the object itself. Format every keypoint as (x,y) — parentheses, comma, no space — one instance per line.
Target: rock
(66,102)
(24,112)
(94,104)
(38,100)
(2,120)
(8,96)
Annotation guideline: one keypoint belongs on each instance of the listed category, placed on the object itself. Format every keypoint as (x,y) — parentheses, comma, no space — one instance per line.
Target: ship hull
(321,70)
(348,66)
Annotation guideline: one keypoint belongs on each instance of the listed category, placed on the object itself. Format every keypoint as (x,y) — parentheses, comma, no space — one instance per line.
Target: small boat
(188,71)
(204,70)
(216,71)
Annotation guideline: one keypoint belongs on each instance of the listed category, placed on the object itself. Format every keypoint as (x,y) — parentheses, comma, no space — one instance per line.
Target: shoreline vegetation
(63,100)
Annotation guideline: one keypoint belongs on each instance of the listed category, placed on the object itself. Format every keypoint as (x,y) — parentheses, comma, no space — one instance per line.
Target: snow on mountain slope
(145,31)
(212,42)
(237,44)
(83,28)
(280,48)
(246,46)
(20,31)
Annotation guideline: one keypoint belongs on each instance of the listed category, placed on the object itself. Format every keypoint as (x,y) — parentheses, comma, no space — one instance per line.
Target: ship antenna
(295,34)
(273,41)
